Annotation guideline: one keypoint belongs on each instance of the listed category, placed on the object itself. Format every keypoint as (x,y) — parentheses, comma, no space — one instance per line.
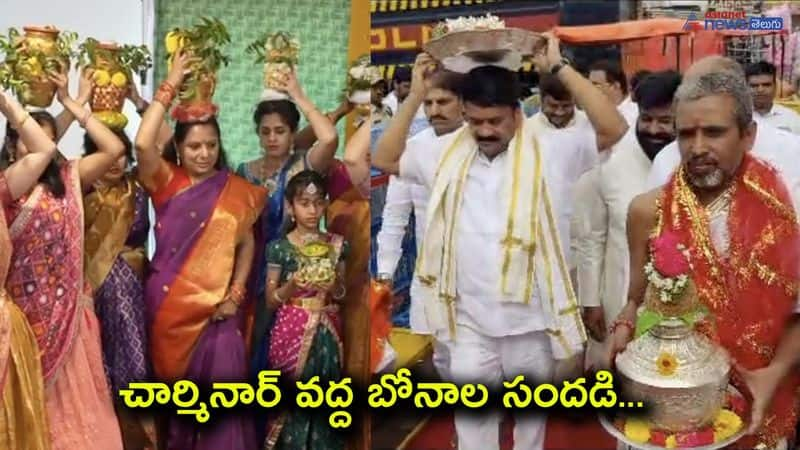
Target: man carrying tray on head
(491,269)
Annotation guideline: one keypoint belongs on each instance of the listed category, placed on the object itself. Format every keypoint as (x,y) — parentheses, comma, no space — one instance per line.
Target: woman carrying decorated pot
(23,424)
(276,123)
(116,227)
(204,251)
(305,273)
(47,282)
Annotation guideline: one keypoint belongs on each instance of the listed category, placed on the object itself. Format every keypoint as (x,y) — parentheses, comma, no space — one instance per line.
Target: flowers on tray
(725,426)
(637,430)
(487,22)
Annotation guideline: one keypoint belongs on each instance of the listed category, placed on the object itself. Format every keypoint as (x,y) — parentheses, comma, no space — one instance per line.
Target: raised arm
(23,175)
(109,146)
(165,132)
(391,144)
(608,123)
(323,152)
(356,155)
(305,138)
(85,87)
(148,154)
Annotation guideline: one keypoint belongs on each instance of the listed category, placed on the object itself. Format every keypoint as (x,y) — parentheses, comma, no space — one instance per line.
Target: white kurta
(629,110)
(600,228)
(403,197)
(781,117)
(495,340)
(574,153)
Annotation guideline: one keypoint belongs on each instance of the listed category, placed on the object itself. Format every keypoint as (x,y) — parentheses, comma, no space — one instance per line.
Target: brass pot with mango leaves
(111,86)
(37,46)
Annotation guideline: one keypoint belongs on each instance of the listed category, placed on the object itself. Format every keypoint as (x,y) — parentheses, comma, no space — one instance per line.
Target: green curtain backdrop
(321,26)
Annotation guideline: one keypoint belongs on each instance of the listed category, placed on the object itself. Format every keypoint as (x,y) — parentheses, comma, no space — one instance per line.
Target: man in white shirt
(601,238)
(610,79)
(401,85)
(576,151)
(761,78)
(442,105)
(484,270)
(778,146)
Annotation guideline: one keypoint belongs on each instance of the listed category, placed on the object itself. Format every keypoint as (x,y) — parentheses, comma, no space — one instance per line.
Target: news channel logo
(734,21)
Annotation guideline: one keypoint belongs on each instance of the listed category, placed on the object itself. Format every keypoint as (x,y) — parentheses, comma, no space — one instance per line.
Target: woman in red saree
(23,418)
(204,252)
(46,281)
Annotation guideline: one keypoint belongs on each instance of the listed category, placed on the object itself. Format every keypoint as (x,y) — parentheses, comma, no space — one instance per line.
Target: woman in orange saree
(23,418)
(46,281)
(204,252)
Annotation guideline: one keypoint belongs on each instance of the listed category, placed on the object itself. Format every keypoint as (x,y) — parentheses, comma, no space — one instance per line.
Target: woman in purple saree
(204,252)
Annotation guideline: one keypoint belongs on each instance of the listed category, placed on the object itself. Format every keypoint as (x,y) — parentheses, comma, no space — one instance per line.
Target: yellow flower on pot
(119,80)
(671,442)
(726,424)
(102,78)
(637,430)
(666,364)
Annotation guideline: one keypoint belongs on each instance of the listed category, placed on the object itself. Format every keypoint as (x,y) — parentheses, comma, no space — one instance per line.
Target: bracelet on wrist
(621,323)
(85,118)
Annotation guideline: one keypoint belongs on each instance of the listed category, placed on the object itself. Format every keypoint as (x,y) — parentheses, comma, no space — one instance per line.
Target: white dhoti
(476,358)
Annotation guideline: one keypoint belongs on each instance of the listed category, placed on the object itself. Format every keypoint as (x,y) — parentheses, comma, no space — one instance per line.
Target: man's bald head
(714,63)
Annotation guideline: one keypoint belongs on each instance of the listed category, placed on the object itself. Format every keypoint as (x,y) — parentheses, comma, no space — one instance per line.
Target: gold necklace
(720,204)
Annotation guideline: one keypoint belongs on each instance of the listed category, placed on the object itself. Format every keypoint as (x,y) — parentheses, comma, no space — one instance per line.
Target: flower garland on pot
(668,273)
